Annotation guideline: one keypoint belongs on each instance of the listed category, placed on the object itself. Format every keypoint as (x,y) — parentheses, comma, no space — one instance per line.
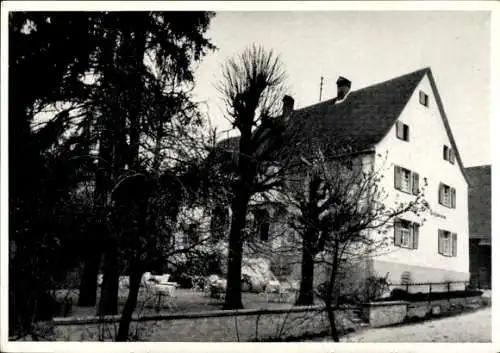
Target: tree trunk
(306,294)
(329,296)
(235,251)
(108,304)
(88,285)
(130,305)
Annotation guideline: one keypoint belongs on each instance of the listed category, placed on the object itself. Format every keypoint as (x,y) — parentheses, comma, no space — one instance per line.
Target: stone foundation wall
(419,274)
(394,312)
(440,307)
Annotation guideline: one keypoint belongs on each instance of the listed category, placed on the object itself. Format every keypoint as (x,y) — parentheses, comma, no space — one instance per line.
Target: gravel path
(470,327)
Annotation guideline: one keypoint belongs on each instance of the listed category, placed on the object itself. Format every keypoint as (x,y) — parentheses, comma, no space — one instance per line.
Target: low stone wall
(388,313)
(218,326)
(442,307)
(381,314)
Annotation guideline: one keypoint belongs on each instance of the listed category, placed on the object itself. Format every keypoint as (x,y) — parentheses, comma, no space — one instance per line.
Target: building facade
(400,128)
(480,225)
(421,153)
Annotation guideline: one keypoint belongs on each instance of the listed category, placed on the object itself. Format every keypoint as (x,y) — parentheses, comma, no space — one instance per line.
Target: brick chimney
(343,87)
(288,103)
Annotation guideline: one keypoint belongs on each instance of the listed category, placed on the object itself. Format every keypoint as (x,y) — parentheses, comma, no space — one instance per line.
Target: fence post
(448,285)
(430,291)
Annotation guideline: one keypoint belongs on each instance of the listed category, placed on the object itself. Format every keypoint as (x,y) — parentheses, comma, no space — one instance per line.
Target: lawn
(186,300)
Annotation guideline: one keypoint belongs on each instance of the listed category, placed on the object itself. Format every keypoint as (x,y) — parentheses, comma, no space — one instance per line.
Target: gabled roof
(479,201)
(360,121)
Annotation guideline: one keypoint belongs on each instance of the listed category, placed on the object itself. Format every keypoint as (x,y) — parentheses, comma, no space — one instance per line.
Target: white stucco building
(400,126)
(438,251)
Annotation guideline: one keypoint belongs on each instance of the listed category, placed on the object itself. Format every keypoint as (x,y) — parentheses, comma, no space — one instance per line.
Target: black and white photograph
(288,172)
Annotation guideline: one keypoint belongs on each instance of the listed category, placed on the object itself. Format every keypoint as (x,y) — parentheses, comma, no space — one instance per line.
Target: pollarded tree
(340,212)
(252,87)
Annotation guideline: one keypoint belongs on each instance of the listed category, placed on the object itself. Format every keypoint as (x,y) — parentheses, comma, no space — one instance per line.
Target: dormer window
(402,131)
(424,99)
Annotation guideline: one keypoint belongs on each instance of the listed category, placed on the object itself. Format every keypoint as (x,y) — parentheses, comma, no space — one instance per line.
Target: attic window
(424,98)
(402,131)
(448,154)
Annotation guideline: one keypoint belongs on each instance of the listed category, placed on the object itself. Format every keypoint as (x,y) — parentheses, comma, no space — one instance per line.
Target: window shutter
(397,234)
(440,241)
(399,129)
(406,132)
(440,193)
(397,177)
(415,183)
(454,244)
(452,156)
(415,235)
(453,198)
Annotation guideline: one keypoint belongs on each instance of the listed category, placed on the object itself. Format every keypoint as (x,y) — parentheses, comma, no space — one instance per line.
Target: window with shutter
(402,131)
(404,234)
(447,195)
(423,98)
(415,183)
(446,153)
(446,243)
(454,244)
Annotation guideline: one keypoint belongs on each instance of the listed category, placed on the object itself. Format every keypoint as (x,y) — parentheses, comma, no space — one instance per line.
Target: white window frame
(405,180)
(406,237)
(447,246)
(446,195)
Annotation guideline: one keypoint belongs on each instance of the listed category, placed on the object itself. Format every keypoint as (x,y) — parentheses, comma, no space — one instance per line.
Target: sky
(367,47)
